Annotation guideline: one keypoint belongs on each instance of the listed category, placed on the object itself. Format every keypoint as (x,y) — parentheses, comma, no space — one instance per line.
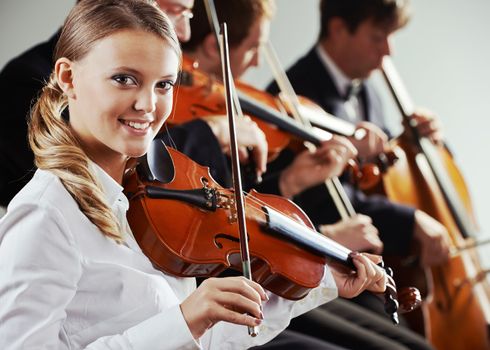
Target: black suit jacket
(311,79)
(20,82)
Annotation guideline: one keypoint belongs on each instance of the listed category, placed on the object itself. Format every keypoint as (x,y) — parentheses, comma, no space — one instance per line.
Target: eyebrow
(136,72)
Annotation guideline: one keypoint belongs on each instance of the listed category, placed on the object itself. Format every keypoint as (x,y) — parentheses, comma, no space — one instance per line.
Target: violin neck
(279,224)
(268,114)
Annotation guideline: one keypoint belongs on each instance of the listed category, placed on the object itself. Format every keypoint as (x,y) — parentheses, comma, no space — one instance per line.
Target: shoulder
(34,64)
(43,207)
(306,65)
(38,230)
(300,73)
(45,190)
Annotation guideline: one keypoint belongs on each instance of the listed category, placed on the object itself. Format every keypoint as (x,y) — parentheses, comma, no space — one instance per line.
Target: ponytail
(57,150)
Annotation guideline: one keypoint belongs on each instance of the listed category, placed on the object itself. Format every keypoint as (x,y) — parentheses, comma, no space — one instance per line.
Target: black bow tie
(352,90)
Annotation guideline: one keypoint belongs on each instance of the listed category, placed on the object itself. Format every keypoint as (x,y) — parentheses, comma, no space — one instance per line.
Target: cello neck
(425,146)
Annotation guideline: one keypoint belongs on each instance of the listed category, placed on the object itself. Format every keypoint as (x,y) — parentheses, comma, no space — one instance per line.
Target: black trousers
(351,326)
(289,339)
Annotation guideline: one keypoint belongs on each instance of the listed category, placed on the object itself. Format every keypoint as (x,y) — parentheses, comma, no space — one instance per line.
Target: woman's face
(121,94)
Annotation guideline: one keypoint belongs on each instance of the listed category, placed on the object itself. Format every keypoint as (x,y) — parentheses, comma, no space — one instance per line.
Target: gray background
(442,54)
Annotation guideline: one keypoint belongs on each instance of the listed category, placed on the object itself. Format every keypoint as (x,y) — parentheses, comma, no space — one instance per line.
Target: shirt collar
(341,81)
(113,191)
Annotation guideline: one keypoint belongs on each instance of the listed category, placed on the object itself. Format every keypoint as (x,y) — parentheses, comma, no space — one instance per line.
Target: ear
(337,28)
(64,75)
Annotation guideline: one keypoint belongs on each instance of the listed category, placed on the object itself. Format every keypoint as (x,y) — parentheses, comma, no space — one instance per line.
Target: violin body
(455,311)
(185,240)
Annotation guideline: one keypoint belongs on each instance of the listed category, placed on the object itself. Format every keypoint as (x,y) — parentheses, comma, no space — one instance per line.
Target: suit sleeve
(19,86)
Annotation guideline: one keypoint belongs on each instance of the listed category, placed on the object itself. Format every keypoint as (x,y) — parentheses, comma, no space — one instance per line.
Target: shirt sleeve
(277,315)
(164,331)
(39,270)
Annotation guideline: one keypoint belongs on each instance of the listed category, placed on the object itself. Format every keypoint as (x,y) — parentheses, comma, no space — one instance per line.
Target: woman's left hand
(368,276)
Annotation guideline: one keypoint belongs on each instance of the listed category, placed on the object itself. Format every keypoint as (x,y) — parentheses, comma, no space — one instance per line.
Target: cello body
(455,312)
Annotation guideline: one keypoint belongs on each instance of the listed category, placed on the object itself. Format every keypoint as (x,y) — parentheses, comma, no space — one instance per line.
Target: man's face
(180,13)
(246,55)
(362,52)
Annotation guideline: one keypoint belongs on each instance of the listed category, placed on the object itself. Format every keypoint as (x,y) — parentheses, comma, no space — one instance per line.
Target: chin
(136,152)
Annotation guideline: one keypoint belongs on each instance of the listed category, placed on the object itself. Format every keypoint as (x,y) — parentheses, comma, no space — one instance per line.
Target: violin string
(257,204)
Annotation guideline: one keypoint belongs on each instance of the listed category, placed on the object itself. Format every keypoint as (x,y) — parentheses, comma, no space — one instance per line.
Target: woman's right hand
(231,299)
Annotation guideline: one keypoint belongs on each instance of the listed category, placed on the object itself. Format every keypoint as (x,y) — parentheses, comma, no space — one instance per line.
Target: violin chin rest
(159,161)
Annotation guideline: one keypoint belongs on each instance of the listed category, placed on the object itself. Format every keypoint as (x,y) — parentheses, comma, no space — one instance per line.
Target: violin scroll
(404,300)
(364,176)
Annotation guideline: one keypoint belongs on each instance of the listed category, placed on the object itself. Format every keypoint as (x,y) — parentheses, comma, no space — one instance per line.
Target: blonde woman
(71,274)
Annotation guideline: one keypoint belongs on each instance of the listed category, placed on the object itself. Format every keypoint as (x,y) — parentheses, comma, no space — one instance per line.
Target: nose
(183,29)
(255,61)
(386,50)
(146,101)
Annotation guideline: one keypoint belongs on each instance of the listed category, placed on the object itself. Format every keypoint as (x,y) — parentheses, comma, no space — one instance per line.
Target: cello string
(470,245)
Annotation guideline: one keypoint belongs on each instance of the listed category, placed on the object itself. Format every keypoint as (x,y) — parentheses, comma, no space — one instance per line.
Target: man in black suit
(353,40)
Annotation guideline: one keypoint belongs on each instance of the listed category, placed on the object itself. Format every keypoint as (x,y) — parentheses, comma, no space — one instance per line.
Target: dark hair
(238,14)
(391,14)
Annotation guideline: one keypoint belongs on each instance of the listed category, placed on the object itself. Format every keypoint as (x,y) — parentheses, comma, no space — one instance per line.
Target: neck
(113,165)
(116,171)
(335,53)
(206,65)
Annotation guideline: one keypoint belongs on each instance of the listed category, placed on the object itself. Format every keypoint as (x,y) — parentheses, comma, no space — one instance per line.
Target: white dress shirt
(63,285)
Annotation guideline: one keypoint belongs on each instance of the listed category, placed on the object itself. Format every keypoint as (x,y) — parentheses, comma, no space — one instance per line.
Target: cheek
(164,108)
(95,98)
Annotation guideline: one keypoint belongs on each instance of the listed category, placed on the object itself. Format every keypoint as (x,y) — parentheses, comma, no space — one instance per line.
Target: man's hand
(433,238)
(428,125)
(249,137)
(310,169)
(356,233)
(372,143)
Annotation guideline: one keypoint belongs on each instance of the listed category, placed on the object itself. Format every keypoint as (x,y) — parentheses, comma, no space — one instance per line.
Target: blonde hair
(55,146)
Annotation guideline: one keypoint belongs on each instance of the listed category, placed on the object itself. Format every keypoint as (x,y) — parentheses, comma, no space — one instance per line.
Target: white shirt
(63,285)
(353,105)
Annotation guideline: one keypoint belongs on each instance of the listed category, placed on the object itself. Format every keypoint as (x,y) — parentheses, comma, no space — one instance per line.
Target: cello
(456,312)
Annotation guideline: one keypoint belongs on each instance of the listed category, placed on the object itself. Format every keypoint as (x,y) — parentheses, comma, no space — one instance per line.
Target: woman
(71,274)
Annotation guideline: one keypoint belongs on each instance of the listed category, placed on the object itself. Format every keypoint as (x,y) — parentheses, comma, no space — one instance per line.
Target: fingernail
(354,254)
(258,321)
(261,315)
(266,297)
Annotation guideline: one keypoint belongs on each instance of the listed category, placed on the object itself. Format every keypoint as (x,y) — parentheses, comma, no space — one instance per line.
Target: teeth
(138,126)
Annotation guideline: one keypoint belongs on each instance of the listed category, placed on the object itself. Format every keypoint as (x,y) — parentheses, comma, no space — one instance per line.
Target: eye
(123,79)
(165,85)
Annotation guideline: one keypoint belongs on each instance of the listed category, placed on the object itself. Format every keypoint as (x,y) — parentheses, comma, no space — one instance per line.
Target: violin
(186,224)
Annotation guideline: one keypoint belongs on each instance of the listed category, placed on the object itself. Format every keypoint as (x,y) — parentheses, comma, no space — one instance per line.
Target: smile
(136,125)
